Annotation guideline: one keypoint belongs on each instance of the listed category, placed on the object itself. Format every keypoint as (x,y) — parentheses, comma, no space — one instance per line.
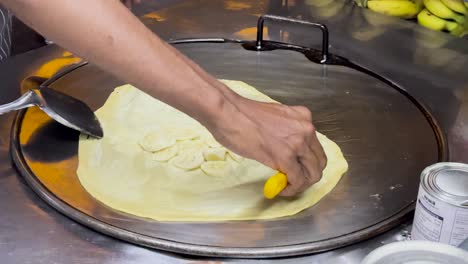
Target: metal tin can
(442,206)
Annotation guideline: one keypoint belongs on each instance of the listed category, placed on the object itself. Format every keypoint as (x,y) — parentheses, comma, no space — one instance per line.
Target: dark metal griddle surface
(386,139)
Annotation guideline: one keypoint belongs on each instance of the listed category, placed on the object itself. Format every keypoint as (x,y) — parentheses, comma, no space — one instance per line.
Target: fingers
(303,112)
(317,149)
(284,138)
(295,173)
(313,169)
(314,145)
(308,159)
(302,172)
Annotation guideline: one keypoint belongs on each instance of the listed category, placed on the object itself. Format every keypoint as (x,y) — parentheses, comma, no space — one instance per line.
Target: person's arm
(107,34)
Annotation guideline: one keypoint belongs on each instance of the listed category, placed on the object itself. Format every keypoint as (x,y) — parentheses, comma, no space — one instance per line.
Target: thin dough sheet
(157,162)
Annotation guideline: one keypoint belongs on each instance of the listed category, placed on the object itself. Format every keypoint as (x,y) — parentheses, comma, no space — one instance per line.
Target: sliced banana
(155,141)
(188,160)
(216,168)
(165,154)
(195,144)
(212,154)
(211,141)
(235,157)
(183,133)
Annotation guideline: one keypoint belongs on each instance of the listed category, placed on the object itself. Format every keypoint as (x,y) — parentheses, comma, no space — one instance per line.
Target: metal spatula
(63,108)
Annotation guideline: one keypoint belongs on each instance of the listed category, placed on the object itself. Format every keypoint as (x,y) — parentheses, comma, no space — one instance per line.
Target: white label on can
(435,220)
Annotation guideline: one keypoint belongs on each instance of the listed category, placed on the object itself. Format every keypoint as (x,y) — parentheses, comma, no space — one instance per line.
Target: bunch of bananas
(449,15)
(441,15)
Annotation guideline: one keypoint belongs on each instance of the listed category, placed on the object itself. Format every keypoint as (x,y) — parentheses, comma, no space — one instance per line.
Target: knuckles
(308,128)
(304,112)
(297,144)
(289,153)
(317,178)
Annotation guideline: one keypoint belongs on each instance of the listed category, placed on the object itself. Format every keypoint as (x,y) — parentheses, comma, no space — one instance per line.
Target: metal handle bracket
(260,25)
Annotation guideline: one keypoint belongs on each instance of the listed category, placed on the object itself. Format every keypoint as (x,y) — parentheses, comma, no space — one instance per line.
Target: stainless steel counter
(434,71)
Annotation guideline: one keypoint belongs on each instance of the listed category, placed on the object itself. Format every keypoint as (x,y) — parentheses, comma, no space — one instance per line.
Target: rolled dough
(119,172)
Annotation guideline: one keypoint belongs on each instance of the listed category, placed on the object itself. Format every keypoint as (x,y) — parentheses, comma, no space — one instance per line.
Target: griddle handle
(322,27)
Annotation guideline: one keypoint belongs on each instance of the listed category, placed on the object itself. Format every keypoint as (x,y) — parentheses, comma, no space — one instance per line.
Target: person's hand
(130,3)
(279,136)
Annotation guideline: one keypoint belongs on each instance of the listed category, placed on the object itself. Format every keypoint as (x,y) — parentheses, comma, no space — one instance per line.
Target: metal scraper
(63,108)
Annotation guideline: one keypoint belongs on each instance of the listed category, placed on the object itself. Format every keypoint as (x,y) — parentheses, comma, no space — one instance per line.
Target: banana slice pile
(188,149)
(441,15)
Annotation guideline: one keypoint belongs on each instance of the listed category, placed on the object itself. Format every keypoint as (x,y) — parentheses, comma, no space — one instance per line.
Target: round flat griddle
(384,134)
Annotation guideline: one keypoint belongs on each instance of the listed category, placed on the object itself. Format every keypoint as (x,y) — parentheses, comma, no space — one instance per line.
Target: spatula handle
(26,100)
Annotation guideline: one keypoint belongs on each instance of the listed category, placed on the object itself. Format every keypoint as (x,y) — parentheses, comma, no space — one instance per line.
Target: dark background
(26,39)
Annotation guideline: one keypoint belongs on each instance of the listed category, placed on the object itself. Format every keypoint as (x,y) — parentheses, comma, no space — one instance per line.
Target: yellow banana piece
(451,26)
(456,29)
(274,185)
(428,20)
(456,5)
(439,9)
(396,8)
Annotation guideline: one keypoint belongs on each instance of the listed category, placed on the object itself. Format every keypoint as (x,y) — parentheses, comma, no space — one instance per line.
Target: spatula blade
(70,112)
